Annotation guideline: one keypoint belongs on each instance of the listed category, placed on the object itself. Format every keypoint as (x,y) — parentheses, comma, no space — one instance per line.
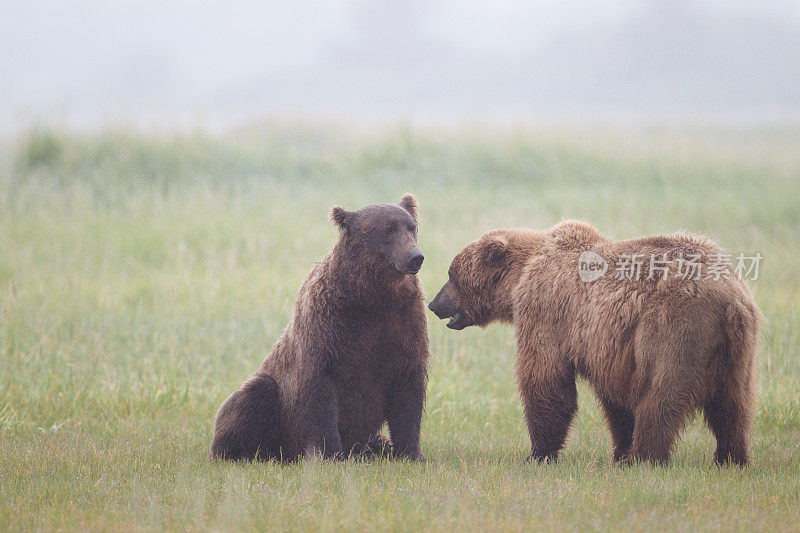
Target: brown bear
(353,356)
(654,347)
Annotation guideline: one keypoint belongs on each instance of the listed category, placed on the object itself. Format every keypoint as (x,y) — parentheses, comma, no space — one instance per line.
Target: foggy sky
(81,62)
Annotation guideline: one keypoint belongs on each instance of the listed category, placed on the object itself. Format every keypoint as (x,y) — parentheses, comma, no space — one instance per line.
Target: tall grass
(143,278)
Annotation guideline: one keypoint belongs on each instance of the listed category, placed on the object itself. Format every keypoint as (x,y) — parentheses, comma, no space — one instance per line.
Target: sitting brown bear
(353,356)
(654,348)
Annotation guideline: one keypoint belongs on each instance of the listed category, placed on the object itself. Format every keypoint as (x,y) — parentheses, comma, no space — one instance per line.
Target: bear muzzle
(444,307)
(414,262)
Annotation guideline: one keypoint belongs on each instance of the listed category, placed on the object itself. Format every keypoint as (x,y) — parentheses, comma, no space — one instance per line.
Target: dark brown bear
(353,356)
(654,350)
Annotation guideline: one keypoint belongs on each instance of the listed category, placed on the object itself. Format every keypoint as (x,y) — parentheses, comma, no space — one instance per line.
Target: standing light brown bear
(654,350)
(353,356)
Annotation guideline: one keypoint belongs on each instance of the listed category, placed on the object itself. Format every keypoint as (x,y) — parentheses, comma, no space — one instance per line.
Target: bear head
(481,281)
(382,236)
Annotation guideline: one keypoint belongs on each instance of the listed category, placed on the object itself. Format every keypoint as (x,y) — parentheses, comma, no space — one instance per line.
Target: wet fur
(654,351)
(353,356)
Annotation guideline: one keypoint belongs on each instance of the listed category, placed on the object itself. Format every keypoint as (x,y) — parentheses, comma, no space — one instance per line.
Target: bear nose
(415,261)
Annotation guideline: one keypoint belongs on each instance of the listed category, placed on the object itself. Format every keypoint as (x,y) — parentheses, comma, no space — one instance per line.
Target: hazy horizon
(227,62)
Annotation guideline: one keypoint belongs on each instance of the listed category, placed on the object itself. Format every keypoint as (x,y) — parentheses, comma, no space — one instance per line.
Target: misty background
(179,63)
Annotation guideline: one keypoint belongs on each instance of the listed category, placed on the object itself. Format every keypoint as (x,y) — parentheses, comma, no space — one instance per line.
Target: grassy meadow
(142,278)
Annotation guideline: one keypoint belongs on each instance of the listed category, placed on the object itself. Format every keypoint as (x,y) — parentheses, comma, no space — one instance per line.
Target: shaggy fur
(353,356)
(653,350)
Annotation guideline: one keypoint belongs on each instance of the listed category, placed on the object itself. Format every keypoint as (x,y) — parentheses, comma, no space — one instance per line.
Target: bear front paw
(416,457)
(410,454)
(542,458)
(315,453)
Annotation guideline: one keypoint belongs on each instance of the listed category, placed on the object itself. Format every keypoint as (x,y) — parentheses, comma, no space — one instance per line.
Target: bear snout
(442,306)
(414,262)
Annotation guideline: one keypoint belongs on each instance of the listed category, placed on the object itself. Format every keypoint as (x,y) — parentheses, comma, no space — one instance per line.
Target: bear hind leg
(730,423)
(729,412)
(658,419)
(675,359)
(248,424)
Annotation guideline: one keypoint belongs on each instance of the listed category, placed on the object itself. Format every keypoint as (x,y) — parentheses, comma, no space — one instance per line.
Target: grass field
(143,278)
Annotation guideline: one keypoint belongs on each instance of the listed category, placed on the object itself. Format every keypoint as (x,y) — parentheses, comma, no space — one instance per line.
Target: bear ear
(495,248)
(340,217)
(409,203)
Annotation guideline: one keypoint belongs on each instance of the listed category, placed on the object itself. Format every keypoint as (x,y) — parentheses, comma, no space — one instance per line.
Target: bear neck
(506,293)
(519,254)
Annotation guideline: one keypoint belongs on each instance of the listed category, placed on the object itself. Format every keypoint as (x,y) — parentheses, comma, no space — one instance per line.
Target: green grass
(143,278)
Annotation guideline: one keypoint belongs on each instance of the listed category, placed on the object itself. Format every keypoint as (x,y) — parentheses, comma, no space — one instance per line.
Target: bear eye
(393,227)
